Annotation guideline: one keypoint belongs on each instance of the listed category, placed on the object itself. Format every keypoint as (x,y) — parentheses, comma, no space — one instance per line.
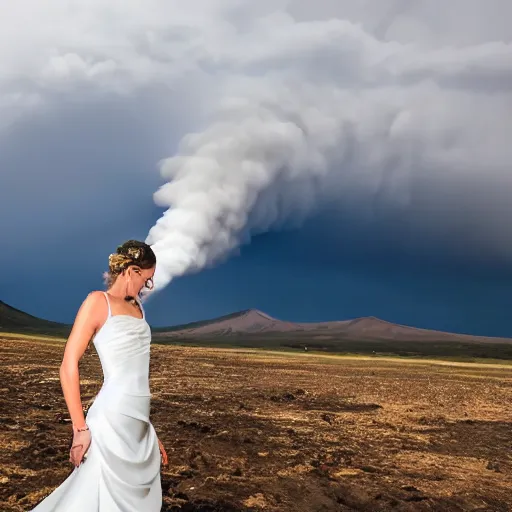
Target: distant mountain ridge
(15,320)
(253,321)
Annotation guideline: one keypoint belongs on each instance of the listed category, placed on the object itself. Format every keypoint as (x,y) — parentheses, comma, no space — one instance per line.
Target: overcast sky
(317,160)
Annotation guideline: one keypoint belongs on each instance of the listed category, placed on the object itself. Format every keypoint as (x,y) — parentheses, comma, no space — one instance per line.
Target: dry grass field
(248,430)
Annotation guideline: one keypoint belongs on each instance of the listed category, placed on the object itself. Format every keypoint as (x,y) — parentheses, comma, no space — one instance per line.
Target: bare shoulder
(96,297)
(94,308)
(95,300)
(90,317)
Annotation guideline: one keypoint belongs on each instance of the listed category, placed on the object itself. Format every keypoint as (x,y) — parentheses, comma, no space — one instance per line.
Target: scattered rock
(410,488)
(181,496)
(194,425)
(347,472)
(256,501)
(60,418)
(7,421)
(285,397)
(493,466)
(329,418)
(369,469)
(44,426)
(187,473)
(355,407)
(416,497)
(49,451)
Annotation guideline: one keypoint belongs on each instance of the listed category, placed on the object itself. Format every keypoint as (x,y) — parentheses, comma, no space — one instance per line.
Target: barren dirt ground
(247,430)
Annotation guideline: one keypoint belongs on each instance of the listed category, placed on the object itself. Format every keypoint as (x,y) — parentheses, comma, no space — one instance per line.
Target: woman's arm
(84,327)
(87,322)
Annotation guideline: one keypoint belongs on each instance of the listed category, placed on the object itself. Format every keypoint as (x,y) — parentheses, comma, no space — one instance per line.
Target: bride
(115,450)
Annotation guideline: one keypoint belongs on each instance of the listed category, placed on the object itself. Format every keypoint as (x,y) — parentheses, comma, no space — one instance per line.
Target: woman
(115,449)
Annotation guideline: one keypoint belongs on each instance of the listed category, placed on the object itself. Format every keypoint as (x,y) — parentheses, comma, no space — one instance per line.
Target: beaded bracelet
(83,429)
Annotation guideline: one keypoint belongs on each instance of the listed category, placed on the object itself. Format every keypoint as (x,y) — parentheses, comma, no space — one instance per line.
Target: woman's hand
(79,446)
(163,453)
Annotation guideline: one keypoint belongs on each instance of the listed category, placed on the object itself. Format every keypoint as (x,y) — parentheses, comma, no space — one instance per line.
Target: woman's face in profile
(142,278)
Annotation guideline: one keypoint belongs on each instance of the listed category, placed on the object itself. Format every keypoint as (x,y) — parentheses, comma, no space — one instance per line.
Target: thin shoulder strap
(139,302)
(108,304)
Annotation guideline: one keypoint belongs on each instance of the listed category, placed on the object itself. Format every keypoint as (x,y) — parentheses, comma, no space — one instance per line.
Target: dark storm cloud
(393,114)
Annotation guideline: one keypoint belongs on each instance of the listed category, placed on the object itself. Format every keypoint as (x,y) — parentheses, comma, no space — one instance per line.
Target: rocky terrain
(248,430)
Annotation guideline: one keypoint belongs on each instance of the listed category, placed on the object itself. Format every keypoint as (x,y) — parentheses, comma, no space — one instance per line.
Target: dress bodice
(123,346)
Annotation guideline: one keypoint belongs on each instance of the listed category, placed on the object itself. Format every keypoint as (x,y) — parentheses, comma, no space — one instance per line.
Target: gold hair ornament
(117,262)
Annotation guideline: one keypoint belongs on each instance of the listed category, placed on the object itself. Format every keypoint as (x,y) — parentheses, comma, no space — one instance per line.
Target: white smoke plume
(383,108)
(318,111)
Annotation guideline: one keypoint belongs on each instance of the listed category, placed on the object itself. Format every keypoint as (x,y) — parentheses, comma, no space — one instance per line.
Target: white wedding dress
(122,470)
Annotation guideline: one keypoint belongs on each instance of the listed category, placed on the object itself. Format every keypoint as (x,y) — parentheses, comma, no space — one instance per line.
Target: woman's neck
(118,290)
